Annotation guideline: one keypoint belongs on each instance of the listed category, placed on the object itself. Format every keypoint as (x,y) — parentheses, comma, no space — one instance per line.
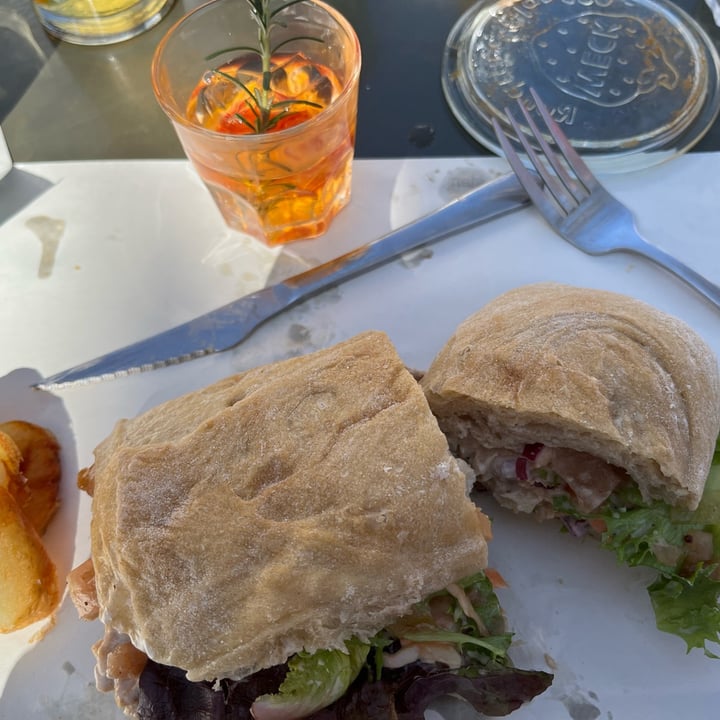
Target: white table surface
(132,248)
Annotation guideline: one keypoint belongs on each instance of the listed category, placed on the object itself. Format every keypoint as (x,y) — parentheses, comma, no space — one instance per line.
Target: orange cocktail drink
(272,136)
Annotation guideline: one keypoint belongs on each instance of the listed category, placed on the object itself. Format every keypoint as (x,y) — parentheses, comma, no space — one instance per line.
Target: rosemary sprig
(263,109)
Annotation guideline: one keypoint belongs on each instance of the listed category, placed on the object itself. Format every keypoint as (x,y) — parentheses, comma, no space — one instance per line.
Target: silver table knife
(227,326)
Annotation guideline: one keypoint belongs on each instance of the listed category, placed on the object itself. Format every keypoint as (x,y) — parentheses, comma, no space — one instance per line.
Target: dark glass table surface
(65,102)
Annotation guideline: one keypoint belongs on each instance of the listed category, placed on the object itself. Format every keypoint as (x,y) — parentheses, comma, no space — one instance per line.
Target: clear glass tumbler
(100,22)
(272,136)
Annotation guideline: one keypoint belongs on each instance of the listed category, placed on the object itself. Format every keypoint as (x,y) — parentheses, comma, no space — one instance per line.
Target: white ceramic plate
(572,608)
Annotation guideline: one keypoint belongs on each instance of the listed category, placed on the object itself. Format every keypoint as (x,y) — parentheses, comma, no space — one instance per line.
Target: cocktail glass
(288,180)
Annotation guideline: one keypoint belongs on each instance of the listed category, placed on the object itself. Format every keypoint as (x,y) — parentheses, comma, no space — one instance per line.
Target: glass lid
(631,82)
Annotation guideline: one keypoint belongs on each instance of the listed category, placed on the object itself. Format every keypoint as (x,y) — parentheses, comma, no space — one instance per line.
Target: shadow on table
(25,49)
(18,189)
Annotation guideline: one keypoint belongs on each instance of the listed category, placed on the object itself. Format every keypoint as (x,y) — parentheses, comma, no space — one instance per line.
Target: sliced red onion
(521,466)
(532,450)
(575,526)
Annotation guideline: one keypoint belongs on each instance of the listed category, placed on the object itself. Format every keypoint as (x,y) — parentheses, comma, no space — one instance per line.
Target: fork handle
(709,290)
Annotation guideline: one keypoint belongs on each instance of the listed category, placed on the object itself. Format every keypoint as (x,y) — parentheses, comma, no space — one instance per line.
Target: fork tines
(565,176)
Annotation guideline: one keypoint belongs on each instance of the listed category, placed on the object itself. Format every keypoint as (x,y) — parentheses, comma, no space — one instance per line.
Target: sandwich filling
(530,480)
(454,642)
(593,497)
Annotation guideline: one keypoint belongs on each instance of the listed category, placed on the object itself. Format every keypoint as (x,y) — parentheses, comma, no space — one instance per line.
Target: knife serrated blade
(227,326)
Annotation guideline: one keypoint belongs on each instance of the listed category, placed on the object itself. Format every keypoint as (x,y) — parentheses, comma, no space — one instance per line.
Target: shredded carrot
(598,525)
(495,578)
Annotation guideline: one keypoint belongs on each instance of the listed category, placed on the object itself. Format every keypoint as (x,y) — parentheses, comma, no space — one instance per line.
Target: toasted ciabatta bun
(287,508)
(588,370)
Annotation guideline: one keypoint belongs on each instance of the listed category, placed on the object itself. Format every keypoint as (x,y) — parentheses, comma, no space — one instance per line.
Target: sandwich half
(600,410)
(293,541)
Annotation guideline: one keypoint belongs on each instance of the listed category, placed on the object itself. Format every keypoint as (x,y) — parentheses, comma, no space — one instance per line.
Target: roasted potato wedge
(28,582)
(40,467)
(10,459)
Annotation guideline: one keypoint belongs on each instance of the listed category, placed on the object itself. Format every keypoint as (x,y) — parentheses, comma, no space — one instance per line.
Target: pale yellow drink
(98,22)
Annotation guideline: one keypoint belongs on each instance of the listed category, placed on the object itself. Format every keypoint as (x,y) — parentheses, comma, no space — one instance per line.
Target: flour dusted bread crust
(287,508)
(589,370)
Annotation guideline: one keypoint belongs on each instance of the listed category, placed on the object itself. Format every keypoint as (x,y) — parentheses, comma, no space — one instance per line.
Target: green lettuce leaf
(485,602)
(688,607)
(486,645)
(314,681)
(685,602)
(632,535)
(708,510)
(496,646)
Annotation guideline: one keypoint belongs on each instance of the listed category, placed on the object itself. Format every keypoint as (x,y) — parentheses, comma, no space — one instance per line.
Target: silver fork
(576,205)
